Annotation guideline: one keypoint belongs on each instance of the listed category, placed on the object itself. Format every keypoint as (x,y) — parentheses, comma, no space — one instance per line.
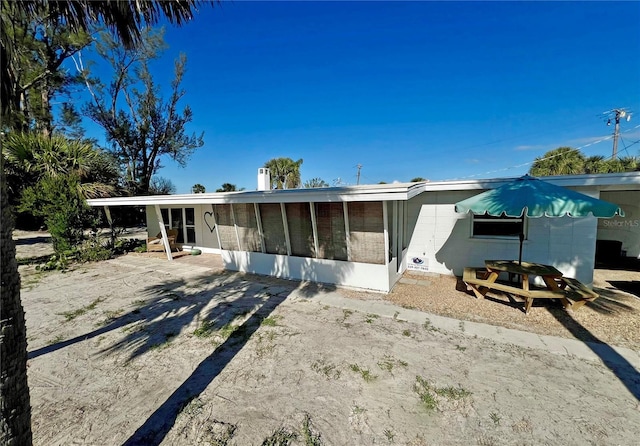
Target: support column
(314,227)
(286,228)
(345,210)
(385,221)
(235,226)
(163,231)
(107,212)
(259,223)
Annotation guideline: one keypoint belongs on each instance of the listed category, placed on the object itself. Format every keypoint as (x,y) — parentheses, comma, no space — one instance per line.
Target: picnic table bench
(571,292)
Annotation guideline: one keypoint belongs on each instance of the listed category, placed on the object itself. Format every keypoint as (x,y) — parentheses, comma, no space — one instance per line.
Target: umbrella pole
(520,253)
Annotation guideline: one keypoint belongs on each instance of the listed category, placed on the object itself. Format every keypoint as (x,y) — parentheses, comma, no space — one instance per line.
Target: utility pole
(359,166)
(617,114)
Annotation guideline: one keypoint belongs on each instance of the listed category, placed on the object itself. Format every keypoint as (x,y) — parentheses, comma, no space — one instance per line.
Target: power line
(616,114)
(543,159)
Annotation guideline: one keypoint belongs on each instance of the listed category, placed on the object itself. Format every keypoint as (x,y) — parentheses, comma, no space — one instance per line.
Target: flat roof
(375,192)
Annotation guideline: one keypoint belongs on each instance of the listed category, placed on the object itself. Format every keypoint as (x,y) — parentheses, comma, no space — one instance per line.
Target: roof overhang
(607,181)
(378,192)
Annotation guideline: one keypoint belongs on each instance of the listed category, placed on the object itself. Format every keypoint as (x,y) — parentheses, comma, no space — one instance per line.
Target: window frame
(521,222)
(168,222)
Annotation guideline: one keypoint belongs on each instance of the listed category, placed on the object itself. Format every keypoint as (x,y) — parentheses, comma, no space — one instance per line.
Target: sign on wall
(418,263)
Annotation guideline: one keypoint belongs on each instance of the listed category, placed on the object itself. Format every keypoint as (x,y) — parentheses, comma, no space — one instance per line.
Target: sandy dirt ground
(137,350)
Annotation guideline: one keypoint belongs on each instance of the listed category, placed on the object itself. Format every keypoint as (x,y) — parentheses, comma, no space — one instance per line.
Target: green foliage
(70,315)
(279,437)
(365,373)
(227,187)
(55,262)
(123,245)
(198,189)
(423,389)
(309,437)
(205,329)
(315,183)
(65,211)
(569,161)
(35,48)
(270,321)
(427,393)
(417,180)
(94,253)
(29,157)
(285,173)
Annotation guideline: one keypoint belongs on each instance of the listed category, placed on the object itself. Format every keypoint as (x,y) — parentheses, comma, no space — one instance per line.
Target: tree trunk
(15,406)
(45,121)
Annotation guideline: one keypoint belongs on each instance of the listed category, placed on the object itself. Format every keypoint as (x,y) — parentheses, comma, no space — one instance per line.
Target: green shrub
(58,200)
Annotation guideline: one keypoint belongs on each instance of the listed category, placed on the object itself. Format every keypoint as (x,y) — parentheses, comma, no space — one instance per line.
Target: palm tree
(198,189)
(285,173)
(560,161)
(595,164)
(15,416)
(630,163)
(227,187)
(315,183)
(31,156)
(125,18)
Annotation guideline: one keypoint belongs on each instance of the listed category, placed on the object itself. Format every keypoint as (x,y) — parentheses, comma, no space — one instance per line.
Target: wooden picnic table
(569,291)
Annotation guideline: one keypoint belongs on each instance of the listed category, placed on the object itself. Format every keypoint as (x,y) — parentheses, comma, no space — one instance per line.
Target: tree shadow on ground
(615,362)
(608,304)
(628,286)
(240,295)
(33,240)
(167,308)
(156,427)
(213,302)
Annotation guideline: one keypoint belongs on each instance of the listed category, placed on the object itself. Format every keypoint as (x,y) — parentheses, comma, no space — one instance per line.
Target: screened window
(488,226)
(332,241)
(300,230)
(275,241)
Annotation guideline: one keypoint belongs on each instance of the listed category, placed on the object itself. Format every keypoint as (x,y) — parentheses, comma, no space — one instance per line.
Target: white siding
(444,238)
(352,274)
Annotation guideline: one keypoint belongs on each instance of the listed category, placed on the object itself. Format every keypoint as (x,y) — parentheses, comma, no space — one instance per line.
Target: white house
(367,236)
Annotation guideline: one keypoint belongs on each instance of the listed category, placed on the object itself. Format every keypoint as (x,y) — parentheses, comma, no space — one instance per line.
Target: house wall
(442,236)
(352,274)
(624,229)
(236,226)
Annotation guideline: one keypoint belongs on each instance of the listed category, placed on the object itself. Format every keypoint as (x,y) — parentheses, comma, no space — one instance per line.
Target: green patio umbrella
(528,196)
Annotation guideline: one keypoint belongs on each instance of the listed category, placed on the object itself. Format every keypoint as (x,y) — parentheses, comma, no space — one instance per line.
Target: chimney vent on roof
(264,179)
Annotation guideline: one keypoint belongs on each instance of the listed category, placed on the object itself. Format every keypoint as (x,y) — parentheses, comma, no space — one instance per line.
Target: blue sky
(441,90)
